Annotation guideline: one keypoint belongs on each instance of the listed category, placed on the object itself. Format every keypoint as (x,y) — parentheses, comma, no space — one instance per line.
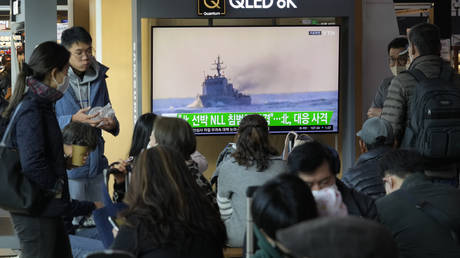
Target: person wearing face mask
(398,60)
(424,54)
(87,88)
(37,137)
(318,166)
(424,217)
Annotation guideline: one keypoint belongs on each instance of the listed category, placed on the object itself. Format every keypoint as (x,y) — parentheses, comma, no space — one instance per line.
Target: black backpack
(433,128)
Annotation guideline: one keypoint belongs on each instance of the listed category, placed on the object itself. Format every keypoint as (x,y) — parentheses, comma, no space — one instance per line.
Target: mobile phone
(114,223)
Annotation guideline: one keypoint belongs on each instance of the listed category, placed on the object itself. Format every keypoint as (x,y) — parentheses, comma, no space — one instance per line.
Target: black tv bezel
(210,25)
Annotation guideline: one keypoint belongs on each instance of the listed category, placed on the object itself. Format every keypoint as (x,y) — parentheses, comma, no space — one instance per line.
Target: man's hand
(108,124)
(374,112)
(82,117)
(98,205)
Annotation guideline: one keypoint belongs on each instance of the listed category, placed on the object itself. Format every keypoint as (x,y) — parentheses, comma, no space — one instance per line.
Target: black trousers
(42,237)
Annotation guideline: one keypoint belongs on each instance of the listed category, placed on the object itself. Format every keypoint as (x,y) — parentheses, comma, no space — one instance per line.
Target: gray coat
(396,108)
(233,181)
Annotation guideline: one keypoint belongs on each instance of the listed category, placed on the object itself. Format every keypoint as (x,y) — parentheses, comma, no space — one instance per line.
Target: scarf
(43,90)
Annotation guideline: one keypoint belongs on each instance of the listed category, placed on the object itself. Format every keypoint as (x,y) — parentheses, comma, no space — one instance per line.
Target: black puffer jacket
(357,204)
(366,175)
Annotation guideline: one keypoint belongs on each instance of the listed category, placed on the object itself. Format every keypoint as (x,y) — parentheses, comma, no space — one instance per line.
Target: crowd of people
(396,201)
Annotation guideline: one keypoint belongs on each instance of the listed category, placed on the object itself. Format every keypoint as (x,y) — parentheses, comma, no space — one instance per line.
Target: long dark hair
(168,204)
(252,145)
(177,134)
(141,134)
(45,57)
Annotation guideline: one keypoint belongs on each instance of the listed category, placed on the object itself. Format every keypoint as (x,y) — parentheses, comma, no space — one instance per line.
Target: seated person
(177,134)
(113,204)
(338,237)
(253,163)
(280,203)
(80,134)
(168,214)
(375,140)
(424,217)
(315,164)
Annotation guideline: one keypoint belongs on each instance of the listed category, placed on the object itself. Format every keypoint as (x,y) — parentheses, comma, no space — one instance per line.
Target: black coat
(38,139)
(366,175)
(135,240)
(357,203)
(417,234)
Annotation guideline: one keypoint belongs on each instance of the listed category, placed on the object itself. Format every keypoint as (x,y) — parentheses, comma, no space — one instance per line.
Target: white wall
(379,28)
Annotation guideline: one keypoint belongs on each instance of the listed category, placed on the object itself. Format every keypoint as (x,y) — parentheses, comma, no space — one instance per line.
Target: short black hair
(401,163)
(426,38)
(400,42)
(282,202)
(76,133)
(309,156)
(74,35)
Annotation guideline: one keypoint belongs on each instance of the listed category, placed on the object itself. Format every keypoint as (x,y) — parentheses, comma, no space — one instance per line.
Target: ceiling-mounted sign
(211,7)
(263,4)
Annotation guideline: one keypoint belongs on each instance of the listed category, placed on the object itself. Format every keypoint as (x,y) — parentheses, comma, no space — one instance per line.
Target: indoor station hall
(229,128)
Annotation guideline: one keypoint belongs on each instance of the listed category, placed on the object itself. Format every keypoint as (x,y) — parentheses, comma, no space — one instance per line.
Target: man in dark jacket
(315,163)
(375,139)
(424,53)
(424,217)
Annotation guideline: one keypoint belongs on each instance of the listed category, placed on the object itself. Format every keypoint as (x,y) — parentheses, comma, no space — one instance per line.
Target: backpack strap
(435,213)
(417,74)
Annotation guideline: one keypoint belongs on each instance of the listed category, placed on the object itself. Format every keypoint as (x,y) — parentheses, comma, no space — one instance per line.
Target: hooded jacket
(68,105)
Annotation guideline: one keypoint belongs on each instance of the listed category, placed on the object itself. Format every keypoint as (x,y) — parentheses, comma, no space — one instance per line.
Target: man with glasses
(398,60)
(87,89)
(424,217)
(318,165)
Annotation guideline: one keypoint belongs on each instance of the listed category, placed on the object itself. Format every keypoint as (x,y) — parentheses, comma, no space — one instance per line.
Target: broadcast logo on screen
(211,7)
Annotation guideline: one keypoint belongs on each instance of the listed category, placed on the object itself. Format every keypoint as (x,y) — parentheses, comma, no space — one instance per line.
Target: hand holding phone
(114,223)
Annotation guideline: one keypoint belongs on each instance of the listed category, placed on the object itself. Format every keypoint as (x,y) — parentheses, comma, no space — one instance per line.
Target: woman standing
(37,137)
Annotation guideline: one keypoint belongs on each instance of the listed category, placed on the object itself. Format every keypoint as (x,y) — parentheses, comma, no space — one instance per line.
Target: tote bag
(17,193)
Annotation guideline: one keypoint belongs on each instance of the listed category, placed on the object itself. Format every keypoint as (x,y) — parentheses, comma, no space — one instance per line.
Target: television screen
(213,76)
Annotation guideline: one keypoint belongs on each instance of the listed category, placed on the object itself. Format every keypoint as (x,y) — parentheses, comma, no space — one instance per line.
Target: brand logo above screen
(211,7)
(262,4)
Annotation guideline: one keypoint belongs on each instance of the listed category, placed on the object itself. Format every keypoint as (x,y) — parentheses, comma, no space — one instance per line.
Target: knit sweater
(233,180)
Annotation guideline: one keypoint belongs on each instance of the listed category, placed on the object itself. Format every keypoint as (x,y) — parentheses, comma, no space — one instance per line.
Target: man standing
(375,139)
(398,60)
(424,217)
(87,89)
(424,54)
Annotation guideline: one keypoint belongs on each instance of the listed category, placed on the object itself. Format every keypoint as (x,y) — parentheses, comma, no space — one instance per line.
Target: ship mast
(219,67)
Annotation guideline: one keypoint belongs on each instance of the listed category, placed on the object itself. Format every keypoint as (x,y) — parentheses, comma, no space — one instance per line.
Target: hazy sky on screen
(257,60)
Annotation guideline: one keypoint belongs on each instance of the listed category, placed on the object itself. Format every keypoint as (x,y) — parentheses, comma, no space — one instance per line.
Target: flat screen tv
(213,76)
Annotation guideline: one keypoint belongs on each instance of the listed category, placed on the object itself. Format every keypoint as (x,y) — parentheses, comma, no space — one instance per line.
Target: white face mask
(397,69)
(64,85)
(329,202)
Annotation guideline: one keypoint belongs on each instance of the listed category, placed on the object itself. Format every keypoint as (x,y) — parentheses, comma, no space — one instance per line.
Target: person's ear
(362,146)
(412,49)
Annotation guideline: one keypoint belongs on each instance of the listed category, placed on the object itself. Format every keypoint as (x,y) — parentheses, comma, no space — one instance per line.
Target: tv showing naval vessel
(217,91)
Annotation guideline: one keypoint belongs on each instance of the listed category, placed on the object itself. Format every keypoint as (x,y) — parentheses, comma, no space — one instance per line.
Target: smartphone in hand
(114,223)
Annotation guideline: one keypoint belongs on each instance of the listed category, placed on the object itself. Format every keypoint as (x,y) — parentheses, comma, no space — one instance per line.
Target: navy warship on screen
(217,91)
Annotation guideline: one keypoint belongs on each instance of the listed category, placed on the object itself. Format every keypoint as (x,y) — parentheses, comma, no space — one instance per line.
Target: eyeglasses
(79,53)
(401,60)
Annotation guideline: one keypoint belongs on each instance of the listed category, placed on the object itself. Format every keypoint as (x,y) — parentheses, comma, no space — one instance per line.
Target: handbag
(18,193)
